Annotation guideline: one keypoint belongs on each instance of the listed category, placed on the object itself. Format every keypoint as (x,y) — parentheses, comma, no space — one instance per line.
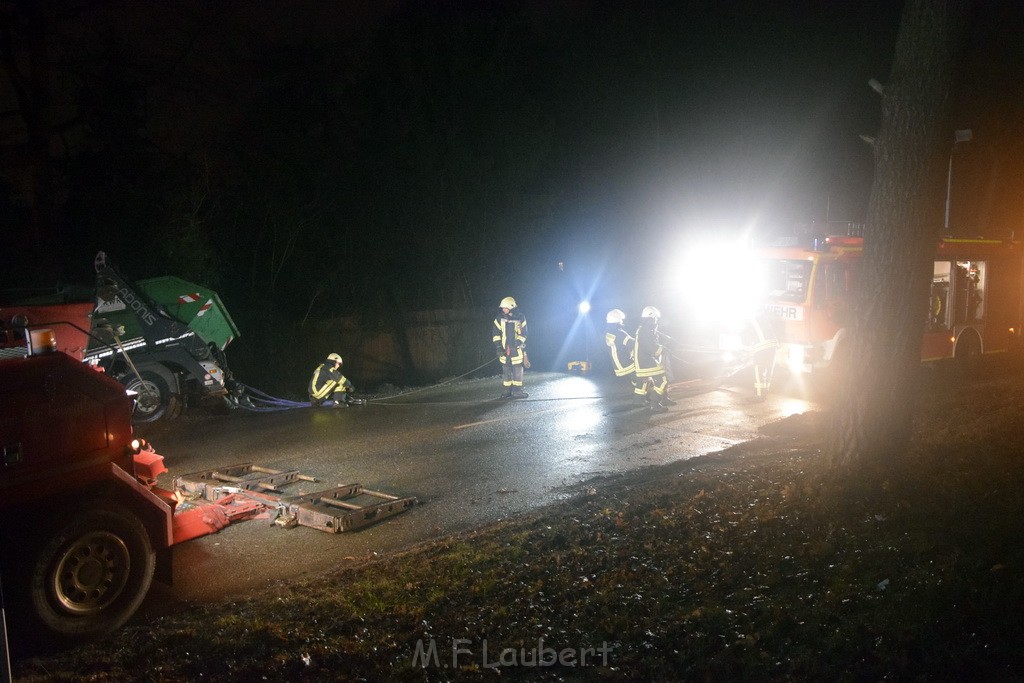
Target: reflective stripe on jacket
(326,380)
(617,338)
(647,350)
(510,337)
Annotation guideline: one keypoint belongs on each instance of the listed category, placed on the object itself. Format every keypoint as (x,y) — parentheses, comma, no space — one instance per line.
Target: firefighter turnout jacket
(618,341)
(326,381)
(647,356)
(510,337)
(761,347)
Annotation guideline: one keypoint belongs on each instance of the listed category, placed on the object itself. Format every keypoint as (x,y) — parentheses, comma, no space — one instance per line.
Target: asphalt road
(466,455)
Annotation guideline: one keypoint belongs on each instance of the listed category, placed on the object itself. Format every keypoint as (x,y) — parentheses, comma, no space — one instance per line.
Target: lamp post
(963,135)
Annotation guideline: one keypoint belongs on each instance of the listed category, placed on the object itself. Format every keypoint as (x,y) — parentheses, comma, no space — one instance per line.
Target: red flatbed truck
(86,529)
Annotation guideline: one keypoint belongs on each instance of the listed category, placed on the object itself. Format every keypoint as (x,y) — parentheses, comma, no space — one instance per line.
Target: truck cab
(974,306)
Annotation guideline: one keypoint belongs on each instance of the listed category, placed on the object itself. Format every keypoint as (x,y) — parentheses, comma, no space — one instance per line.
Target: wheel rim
(148,400)
(92,573)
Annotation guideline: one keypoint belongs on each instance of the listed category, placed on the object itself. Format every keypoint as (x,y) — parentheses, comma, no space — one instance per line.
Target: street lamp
(580,326)
(963,135)
(584,308)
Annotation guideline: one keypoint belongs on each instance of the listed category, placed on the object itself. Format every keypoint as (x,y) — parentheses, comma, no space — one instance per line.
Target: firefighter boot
(349,400)
(507,393)
(760,384)
(519,393)
(665,401)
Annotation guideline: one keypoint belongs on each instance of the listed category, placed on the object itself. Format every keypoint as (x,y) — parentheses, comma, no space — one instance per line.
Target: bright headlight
(729,342)
(722,282)
(796,358)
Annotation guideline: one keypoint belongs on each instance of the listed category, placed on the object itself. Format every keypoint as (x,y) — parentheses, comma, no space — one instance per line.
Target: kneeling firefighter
(328,384)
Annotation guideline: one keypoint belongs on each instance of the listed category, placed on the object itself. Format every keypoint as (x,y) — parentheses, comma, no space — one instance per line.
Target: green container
(198,307)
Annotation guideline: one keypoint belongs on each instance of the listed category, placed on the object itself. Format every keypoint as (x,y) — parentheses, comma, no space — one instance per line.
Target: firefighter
(619,342)
(648,351)
(510,343)
(761,347)
(328,384)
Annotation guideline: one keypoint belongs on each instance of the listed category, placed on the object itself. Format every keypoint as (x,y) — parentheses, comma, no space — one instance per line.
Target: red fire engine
(974,307)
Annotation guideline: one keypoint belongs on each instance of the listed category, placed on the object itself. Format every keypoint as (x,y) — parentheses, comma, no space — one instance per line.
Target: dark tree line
(424,155)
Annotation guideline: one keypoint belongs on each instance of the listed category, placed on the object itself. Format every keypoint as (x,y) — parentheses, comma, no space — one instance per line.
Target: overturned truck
(163,338)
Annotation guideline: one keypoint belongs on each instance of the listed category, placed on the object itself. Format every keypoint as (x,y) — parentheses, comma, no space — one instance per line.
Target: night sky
(328,158)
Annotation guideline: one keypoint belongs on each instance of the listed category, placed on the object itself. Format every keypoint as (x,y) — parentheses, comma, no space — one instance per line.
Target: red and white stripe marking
(190,298)
(207,306)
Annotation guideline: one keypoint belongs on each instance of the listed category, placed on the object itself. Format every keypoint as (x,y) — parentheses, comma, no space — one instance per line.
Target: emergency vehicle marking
(785,312)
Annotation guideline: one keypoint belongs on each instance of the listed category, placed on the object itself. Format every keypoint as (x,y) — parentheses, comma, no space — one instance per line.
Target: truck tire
(832,376)
(155,401)
(967,357)
(90,575)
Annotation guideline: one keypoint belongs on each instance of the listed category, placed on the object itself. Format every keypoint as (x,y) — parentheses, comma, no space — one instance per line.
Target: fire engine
(974,307)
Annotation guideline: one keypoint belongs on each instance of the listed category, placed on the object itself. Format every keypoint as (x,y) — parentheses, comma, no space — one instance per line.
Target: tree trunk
(874,409)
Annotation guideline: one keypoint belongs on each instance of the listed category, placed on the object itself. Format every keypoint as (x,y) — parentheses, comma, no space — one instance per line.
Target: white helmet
(615,316)
(650,312)
(334,357)
(507,302)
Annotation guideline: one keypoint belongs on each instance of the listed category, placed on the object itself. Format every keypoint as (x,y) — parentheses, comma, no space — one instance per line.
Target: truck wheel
(154,400)
(91,575)
(832,376)
(967,357)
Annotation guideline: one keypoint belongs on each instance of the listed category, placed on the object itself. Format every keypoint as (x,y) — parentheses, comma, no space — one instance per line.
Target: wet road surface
(468,456)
